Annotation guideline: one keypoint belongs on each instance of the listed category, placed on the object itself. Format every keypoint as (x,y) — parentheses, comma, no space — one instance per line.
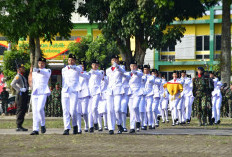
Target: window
(202,56)
(167,57)
(63,39)
(217,56)
(169,48)
(199,43)
(202,43)
(172,57)
(218,42)
(164,57)
(206,42)
(3,38)
(206,56)
(199,56)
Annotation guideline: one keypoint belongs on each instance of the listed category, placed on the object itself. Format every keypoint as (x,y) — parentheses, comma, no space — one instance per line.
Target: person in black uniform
(20,84)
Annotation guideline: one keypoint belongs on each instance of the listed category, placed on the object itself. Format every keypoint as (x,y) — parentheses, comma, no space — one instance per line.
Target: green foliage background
(89,49)
(10,58)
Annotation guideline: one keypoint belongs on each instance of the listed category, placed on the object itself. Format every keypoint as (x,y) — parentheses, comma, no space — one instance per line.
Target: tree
(226,42)
(36,19)
(14,57)
(146,20)
(88,49)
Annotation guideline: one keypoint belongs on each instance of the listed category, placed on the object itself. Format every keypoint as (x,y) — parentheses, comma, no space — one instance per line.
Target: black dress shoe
(213,120)
(137,124)
(158,117)
(100,129)
(125,130)
(105,128)
(176,120)
(218,122)
(144,128)
(91,130)
(86,130)
(79,132)
(150,127)
(75,130)
(96,126)
(66,132)
(21,129)
(111,132)
(132,131)
(34,133)
(43,129)
(153,127)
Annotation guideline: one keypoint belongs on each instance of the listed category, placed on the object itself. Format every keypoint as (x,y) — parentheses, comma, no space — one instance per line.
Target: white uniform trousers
(142,111)
(69,106)
(155,108)
(149,101)
(93,109)
(84,103)
(124,106)
(134,110)
(216,107)
(38,104)
(114,110)
(180,109)
(188,107)
(173,106)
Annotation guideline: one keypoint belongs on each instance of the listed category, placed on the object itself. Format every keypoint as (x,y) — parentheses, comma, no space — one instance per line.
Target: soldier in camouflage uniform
(202,89)
(226,94)
(56,100)
(4,97)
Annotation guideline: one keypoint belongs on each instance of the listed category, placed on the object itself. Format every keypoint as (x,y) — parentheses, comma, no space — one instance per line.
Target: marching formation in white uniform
(106,95)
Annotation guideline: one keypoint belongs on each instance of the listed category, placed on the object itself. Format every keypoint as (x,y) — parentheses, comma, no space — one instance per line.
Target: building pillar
(157,58)
(211,38)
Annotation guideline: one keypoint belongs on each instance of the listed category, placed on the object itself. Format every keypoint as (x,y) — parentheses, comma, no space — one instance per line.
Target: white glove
(114,64)
(35,69)
(73,67)
(23,89)
(134,71)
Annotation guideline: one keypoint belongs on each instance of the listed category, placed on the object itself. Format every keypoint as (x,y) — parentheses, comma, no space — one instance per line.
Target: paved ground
(174,131)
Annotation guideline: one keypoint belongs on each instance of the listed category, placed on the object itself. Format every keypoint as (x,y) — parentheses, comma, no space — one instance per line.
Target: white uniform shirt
(149,85)
(95,81)
(187,86)
(217,87)
(115,75)
(135,83)
(156,87)
(84,84)
(40,82)
(104,84)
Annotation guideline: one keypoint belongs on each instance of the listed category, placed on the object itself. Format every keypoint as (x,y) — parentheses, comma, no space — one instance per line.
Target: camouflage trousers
(204,108)
(4,106)
(225,108)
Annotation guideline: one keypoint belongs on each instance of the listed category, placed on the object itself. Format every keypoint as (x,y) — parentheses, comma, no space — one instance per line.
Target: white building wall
(149,57)
(76,18)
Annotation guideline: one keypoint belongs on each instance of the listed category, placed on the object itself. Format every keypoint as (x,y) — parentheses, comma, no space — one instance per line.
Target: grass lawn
(6,123)
(114,145)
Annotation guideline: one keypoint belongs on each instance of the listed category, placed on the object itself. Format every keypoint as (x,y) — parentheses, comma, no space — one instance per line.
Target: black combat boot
(66,132)
(75,128)
(96,126)
(43,129)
